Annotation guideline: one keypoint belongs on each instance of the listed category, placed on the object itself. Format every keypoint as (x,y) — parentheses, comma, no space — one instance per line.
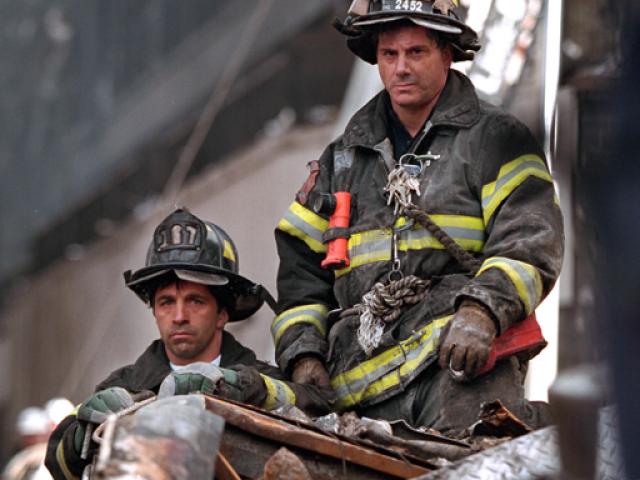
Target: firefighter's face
(190,322)
(412,67)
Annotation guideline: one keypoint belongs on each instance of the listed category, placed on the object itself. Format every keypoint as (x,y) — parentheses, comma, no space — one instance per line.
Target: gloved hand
(100,405)
(97,408)
(310,370)
(467,341)
(243,384)
(198,377)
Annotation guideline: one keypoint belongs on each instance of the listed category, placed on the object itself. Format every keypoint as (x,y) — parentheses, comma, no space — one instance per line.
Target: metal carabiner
(395,273)
(412,169)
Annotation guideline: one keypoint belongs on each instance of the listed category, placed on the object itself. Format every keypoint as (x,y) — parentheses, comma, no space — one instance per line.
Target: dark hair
(223,295)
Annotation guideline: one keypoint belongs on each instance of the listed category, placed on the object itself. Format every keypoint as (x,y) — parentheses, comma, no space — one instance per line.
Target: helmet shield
(365,17)
(196,251)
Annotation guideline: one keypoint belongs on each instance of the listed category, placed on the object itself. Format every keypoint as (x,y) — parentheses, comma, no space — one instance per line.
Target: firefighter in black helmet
(455,235)
(191,282)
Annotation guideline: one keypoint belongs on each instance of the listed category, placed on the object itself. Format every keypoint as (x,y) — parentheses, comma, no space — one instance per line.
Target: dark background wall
(103,95)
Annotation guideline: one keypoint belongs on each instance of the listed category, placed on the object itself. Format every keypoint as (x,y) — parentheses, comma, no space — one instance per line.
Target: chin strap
(264,294)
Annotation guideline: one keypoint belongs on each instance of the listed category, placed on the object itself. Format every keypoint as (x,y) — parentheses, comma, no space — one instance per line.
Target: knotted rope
(383,304)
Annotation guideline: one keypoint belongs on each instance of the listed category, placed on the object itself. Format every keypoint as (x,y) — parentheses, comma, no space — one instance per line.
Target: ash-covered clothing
(148,372)
(485,182)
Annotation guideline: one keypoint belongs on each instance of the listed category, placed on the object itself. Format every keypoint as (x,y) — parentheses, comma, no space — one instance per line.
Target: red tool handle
(520,337)
(337,252)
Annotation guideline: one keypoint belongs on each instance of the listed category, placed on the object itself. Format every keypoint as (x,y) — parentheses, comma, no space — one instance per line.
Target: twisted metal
(384,304)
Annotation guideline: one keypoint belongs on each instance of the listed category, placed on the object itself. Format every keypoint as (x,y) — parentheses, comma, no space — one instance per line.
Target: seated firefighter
(192,285)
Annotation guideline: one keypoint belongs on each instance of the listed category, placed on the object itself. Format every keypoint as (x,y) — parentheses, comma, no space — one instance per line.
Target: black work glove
(467,341)
(198,377)
(310,370)
(97,408)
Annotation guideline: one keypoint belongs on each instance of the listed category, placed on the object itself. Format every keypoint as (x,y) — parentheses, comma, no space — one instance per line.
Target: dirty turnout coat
(148,372)
(487,184)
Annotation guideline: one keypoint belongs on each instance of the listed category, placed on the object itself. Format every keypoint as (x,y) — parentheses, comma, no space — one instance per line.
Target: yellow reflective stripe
(304,224)
(511,175)
(278,393)
(525,278)
(388,369)
(375,245)
(63,464)
(367,247)
(228,251)
(314,314)
(467,231)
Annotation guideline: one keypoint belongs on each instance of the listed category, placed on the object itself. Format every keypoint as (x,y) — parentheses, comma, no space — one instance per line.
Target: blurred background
(114,112)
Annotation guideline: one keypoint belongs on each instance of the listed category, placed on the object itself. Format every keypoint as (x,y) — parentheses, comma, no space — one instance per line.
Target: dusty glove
(198,377)
(100,405)
(310,370)
(467,342)
(97,408)
(243,384)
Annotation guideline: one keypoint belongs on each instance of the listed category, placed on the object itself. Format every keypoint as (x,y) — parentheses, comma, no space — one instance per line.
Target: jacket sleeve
(62,460)
(305,289)
(523,251)
(313,400)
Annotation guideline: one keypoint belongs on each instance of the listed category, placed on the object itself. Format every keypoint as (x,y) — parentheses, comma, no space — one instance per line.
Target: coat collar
(153,365)
(458,107)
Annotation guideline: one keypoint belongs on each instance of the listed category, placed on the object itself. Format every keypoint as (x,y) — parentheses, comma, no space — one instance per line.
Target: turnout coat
(148,372)
(486,183)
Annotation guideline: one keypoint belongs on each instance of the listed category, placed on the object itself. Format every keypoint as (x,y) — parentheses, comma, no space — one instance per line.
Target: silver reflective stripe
(306,228)
(510,176)
(278,393)
(529,164)
(456,233)
(315,314)
(525,278)
(366,379)
(389,369)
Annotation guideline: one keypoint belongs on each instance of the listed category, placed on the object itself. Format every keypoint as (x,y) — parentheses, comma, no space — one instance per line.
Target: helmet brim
(245,293)
(362,33)
(423,22)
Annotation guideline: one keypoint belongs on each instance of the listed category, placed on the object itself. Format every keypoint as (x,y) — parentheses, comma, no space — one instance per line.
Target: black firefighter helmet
(366,16)
(197,251)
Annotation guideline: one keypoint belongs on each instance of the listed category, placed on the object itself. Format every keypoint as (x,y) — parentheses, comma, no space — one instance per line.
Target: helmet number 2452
(412,5)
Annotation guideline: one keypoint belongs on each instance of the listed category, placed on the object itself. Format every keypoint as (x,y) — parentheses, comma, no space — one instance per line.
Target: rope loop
(384,304)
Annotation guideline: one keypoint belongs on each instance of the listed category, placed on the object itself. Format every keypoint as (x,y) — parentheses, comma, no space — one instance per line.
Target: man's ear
(223,318)
(447,56)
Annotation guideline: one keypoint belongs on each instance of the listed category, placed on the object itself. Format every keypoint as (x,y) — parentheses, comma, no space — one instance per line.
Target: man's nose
(180,313)
(402,67)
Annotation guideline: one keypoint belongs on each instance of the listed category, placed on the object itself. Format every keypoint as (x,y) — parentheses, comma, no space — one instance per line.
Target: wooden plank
(224,470)
(292,436)
(248,453)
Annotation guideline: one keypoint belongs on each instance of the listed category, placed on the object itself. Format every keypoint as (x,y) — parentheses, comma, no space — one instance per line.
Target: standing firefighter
(453,235)
(192,284)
